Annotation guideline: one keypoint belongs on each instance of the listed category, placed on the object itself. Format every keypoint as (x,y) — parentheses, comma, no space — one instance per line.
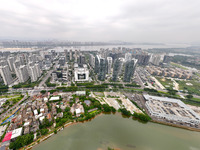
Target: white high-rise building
(6,75)
(37,66)
(23,74)
(128,57)
(16,66)
(92,61)
(33,73)
(21,59)
(65,72)
(11,63)
(76,56)
(109,59)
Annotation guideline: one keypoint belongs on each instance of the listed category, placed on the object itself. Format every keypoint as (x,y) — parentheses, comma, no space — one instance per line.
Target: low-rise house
(27,130)
(78,108)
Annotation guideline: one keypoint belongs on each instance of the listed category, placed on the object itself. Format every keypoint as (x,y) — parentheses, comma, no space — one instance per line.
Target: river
(125,134)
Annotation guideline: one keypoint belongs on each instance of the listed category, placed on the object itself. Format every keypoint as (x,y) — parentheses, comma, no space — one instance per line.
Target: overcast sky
(102,20)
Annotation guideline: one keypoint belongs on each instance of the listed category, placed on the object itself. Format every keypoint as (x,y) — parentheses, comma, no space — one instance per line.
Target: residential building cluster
(20,67)
(169,72)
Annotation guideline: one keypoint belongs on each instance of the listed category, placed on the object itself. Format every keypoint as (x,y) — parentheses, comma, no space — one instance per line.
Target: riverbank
(175,125)
(114,131)
(41,139)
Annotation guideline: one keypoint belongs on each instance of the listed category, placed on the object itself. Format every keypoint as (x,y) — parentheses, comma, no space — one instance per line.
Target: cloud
(102,20)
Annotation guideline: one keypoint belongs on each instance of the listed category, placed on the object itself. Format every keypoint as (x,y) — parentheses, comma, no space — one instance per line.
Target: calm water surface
(123,133)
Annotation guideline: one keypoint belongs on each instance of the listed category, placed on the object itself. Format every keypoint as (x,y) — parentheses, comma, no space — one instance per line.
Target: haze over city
(165,21)
(99,75)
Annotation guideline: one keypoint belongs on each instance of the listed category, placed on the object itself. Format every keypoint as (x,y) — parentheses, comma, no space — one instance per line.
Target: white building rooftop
(17,132)
(26,123)
(80,92)
(54,98)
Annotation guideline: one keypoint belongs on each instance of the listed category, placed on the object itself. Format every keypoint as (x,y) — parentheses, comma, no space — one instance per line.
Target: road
(45,79)
(15,106)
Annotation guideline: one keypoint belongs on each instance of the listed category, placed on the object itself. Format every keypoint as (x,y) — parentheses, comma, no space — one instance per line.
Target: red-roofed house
(7,137)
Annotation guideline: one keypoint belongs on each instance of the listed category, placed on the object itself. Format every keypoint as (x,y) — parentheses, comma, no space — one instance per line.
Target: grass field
(192,89)
(167,83)
(178,66)
(8,96)
(195,99)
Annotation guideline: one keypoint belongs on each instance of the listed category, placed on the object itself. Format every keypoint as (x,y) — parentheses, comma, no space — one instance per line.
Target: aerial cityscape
(44,91)
(99,75)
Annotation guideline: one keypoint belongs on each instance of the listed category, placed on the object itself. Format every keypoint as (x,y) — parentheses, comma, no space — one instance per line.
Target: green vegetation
(186,61)
(142,117)
(44,131)
(189,96)
(107,108)
(43,91)
(22,141)
(178,66)
(8,96)
(109,96)
(194,88)
(167,83)
(3,89)
(50,84)
(150,90)
(85,84)
(11,102)
(125,112)
(132,85)
(27,84)
(67,116)
(2,137)
(45,124)
(55,131)
(171,91)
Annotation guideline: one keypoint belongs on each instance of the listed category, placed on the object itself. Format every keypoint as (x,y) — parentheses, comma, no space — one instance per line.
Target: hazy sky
(102,20)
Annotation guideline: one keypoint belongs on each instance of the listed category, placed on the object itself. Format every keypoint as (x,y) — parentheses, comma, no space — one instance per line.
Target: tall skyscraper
(129,70)
(102,69)
(70,54)
(117,68)
(156,59)
(143,59)
(38,70)
(109,60)
(21,59)
(16,66)
(6,74)
(66,55)
(97,64)
(22,74)
(76,55)
(33,73)
(92,61)
(81,60)
(10,63)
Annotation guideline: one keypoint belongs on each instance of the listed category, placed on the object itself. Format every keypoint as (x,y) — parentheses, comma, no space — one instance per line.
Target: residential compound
(171,110)
(169,72)
(20,67)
